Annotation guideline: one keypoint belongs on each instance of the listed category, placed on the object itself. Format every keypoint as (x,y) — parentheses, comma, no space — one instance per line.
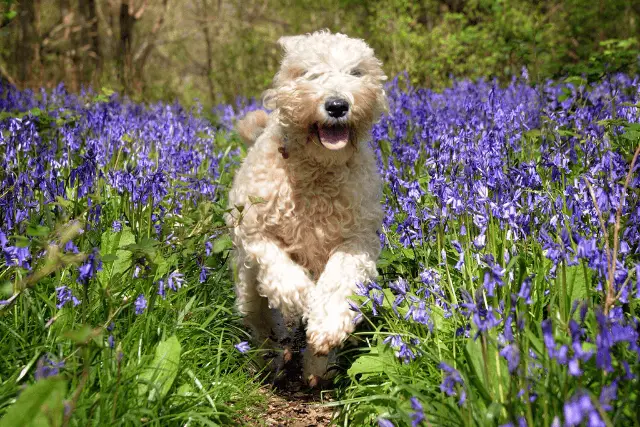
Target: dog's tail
(252,125)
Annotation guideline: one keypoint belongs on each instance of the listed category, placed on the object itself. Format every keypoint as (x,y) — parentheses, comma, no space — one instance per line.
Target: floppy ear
(288,42)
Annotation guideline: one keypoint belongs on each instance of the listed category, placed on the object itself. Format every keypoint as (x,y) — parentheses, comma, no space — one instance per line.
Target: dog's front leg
(284,283)
(329,317)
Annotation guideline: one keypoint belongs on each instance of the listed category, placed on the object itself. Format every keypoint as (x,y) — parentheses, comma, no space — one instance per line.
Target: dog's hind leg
(271,332)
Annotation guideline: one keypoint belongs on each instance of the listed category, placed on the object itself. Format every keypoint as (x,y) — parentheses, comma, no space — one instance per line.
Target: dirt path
(297,409)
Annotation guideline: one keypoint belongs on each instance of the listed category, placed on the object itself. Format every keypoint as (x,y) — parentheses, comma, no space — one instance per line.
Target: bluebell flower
(92,265)
(511,352)
(47,367)
(65,296)
(452,380)
(242,347)
(383,422)
(140,304)
(417,416)
(493,275)
(71,247)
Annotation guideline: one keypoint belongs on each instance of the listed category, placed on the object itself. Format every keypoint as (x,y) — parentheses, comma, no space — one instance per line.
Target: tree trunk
(209,47)
(124,52)
(92,63)
(28,54)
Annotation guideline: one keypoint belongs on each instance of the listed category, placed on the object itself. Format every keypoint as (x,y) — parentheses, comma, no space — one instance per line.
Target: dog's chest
(316,214)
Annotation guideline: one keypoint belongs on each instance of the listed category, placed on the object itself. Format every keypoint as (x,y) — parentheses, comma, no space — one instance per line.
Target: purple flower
(243,347)
(512,354)
(64,296)
(525,290)
(450,381)
(174,281)
(403,350)
(116,226)
(140,304)
(46,367)
(92,265)
(493,275)
(580,408)
(71,247)
(417,416)
(383,422)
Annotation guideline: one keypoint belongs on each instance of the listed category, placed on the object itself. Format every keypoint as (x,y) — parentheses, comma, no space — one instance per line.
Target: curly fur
(304,217)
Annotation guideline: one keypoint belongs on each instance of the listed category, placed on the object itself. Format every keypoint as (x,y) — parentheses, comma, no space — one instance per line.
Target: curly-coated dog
(305,204)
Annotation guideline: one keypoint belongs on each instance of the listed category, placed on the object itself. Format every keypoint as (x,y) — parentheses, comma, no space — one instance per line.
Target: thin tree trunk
(209,45)
(143,53)
(27,54)
(91,33)
(124,52)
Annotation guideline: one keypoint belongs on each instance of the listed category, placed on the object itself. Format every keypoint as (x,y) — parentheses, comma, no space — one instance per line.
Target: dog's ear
(287,43)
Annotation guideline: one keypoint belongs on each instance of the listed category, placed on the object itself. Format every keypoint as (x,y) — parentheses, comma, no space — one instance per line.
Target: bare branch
(138,14)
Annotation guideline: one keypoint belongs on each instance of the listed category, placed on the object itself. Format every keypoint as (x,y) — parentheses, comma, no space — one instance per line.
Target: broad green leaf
(366,364)
(37,230)
(108,258)
(157,378)
(116,259)
(576,284)
(164,265)
(491,375)
(408,253)
(222,243)
(41,404)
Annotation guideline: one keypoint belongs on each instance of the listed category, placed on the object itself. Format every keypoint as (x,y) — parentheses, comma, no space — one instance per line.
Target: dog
(304,207)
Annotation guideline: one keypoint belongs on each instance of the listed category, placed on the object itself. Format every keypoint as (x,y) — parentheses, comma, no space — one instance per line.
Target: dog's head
(328,92)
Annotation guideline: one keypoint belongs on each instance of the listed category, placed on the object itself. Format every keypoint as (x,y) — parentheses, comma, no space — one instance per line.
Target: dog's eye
(313,76)
(356,72)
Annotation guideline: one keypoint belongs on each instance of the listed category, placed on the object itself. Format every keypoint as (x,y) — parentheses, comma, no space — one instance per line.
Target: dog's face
(328,91)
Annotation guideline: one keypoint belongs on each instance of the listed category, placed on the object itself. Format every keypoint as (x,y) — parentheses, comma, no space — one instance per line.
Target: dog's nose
(336,107)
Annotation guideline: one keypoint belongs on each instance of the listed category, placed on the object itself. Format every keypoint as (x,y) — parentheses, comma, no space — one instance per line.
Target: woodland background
(214,50)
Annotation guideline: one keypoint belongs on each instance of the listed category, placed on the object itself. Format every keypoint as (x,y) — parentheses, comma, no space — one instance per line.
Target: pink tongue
(334,137)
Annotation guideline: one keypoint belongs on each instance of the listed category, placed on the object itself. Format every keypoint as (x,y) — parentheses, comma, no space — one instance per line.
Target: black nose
(336,107)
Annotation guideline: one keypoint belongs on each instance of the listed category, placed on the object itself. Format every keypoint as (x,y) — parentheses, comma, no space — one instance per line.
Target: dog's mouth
(333,137)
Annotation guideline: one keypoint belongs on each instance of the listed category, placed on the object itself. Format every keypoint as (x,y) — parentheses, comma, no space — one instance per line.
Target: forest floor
(297,409)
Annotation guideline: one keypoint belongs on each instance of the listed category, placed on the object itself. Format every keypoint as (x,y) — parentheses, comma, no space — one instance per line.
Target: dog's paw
(287,291)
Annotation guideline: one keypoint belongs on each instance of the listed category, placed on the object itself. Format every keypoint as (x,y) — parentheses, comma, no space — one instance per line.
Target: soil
(290,401)
(297,409)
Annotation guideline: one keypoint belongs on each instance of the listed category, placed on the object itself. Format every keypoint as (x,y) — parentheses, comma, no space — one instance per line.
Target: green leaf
(408,253)
(491,376)
(576,284)
(163,265)
(222,243)
(37,230)
(83,334)
(115,257)
(41,404)
(156,380)
(108,258)
(366,364)
(578,81)
(256,200)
